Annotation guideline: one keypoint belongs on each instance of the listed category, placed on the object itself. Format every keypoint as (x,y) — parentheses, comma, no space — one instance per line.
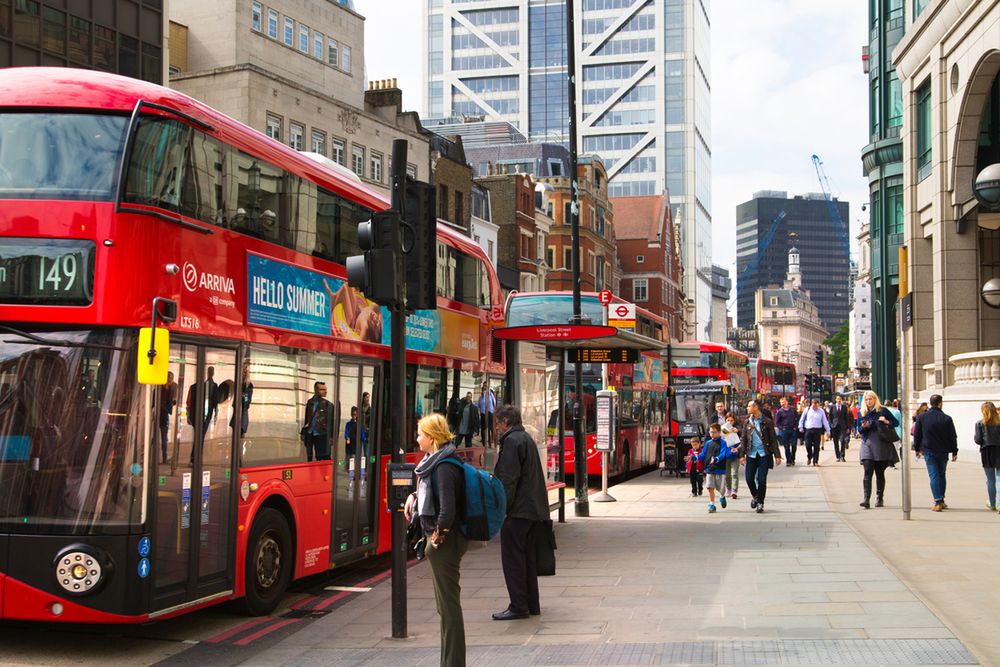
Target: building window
(894,105)
(489,249)
(459,206)
(296,135)
(774,302)
(639,259)
(255,16)
(774,332)
(567,258)
(919,6)
(376,161)
(358,157)
(443,202)
(303,38)
(924,130)
(550,256)
(332,53)
(318,40)
(272,24)
(640,290)
(592,261)
(337,150)
(289,32)
(273,127)
(346,59)
(319,142)
(411,171)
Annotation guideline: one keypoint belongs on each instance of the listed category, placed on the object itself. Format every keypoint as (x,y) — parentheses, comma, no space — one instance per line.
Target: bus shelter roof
(572,336)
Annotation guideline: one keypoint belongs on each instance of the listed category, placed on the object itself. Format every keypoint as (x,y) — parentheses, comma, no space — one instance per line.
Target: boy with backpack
(519,467)
(713,457)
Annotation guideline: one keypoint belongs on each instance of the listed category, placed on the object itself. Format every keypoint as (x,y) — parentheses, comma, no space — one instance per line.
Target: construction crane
(831,207)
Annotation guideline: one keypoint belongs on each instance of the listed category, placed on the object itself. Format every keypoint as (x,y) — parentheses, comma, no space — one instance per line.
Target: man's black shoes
(509,615)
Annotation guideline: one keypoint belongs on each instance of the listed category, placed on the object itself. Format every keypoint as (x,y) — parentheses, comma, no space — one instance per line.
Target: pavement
(655,579)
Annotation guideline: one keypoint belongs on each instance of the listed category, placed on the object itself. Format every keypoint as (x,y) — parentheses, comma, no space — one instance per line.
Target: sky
(787,83)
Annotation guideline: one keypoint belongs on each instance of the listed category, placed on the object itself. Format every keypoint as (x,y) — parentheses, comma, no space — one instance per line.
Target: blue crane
(764,244)
(831,207)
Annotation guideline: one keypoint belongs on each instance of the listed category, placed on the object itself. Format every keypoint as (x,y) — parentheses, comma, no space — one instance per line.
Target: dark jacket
(325,418)
(839,416)
(519,468)
(935,432)
(786,419)
(474,418)
(768,436)
(987,436)
(873,448)
(449,488)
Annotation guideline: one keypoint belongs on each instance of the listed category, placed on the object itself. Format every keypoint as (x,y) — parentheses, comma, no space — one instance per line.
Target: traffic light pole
(397,388)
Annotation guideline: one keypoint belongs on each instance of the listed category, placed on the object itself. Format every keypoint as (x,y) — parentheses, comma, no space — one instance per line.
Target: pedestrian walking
(812,425)
(695,468)
(760,452)
(713,457)
(437,503)
(786,421)
(893,406)
(730,433)
(840,425)
(876,453)
(921,409)
(519,468)
(719,416)
(934,438)
(988,438)
(855,424)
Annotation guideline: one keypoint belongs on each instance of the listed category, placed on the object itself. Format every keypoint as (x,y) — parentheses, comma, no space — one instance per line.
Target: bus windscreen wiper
(56,343)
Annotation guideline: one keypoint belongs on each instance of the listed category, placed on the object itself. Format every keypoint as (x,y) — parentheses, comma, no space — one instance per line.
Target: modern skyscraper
(765,229)
(643,95)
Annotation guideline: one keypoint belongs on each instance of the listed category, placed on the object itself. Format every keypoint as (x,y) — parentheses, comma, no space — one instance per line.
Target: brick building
(453,180)
(520,241)
(648,255)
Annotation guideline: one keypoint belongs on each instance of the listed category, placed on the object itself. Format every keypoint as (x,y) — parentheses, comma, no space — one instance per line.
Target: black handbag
(545,550)
(415,539)
(887,433)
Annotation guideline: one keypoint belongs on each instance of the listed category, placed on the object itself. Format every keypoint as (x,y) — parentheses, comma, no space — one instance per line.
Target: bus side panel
(247,512)
(24,602)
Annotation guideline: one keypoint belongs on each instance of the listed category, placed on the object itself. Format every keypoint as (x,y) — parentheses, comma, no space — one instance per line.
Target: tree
(839,353)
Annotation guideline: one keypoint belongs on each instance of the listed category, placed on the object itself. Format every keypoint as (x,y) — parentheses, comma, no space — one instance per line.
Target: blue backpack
(485,502)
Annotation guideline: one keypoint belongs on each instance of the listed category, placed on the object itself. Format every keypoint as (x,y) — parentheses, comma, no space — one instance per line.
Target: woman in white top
(732,437)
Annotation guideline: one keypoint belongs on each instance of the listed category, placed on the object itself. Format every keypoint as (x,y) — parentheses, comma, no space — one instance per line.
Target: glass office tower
(644,95)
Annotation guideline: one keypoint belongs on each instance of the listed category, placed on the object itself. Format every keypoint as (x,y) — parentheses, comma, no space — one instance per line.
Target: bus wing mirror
(166,309)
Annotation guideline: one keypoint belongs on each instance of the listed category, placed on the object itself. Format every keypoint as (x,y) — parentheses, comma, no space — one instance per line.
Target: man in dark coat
(468,420)
(934,437)
(316,427)
(519,468)
(759,447)
(840,426)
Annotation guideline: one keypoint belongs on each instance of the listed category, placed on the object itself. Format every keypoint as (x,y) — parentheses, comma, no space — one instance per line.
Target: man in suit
(317,424)
(934,438)
(840,426)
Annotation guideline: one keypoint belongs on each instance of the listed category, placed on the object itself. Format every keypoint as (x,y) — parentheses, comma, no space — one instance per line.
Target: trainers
(753,503)
(722,501)
(937,507)
(693,495)
(711,508)
(991,508)
(734,495)
(760,508)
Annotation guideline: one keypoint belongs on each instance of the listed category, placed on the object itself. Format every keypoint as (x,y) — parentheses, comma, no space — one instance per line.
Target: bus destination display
(604,355)
(47,272)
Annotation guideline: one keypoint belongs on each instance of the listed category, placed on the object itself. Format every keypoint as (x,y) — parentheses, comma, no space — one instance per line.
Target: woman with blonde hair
(439,488)
(988,438)
(876,453)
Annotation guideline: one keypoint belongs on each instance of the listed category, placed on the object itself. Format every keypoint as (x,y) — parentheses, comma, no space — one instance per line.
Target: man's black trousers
(518,554)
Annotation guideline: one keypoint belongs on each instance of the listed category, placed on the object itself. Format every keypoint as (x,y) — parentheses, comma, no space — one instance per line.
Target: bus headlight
(81,569)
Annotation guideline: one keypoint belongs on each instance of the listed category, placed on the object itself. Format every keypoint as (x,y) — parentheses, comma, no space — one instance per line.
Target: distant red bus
(773,380)
(123,503)
(643,387)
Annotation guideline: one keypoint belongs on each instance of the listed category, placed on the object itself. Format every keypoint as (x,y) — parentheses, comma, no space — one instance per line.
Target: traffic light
(420,245)
(819,358)
(374,272)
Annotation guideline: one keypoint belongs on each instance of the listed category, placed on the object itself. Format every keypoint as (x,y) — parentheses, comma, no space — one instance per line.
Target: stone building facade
(512,200)
(948,63)
(295,71)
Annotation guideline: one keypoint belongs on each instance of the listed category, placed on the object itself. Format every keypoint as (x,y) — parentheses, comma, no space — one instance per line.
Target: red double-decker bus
(642,386)
(773,380)
(703,374)
(262,459)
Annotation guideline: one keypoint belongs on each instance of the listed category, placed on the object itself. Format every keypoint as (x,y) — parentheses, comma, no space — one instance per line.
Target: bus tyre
(268,563)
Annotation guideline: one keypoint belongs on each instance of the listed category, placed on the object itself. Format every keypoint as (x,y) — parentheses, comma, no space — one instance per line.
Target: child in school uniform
(695,468)
(713,456)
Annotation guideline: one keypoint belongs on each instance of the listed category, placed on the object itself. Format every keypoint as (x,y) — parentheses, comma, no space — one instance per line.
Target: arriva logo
(210,281)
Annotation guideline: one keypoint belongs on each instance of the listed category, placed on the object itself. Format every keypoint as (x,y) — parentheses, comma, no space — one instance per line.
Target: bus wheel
(268,563)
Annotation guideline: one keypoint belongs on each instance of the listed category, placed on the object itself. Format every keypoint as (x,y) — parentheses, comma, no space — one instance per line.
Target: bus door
(355,455)
(192,542)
